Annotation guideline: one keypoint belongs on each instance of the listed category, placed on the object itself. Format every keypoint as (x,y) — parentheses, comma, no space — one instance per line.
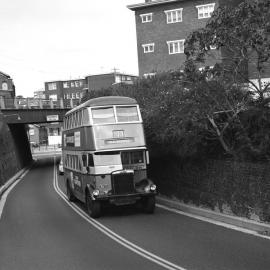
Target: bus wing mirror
(147,157)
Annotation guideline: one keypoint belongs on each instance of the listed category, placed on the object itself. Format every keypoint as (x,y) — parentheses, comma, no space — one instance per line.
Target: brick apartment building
(69,89)
(99,81)
(7,87)
(75,89)
(162,27)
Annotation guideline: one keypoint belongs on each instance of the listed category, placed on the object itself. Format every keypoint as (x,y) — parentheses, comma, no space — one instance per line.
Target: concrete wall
(14,149)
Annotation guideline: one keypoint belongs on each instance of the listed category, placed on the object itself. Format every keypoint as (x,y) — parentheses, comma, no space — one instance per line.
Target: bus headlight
(96,192)
(149,188)
(153,187)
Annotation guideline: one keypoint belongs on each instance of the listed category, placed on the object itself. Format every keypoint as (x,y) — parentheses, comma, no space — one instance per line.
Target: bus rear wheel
(93,207)
(70,195)
(149,204)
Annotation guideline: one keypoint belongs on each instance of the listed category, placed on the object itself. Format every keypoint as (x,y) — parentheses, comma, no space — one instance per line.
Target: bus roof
(103,101)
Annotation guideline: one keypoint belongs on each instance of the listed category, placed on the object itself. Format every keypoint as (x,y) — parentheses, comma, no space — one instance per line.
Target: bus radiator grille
(123,183)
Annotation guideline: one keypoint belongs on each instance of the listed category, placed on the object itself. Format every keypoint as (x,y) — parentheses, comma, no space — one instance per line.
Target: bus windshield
(127,113)
(103,115)
(107,158)
(106,115)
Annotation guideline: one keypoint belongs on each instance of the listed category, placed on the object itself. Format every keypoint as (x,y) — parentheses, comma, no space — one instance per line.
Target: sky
(47,40)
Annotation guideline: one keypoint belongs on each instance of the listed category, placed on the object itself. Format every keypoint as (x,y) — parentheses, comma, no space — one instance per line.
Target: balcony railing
(33,103)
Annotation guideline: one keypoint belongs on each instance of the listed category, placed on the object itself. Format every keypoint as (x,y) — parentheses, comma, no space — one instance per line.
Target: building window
(149,75)
(176,46)
(146,17)
(53,97)
(205,11)
(72,84)
(4,86)
(68,97)
(77,95)
(117,79)
(148,48)
(174,16)
(65,85)
(77,83)
(52,86)
(73,95)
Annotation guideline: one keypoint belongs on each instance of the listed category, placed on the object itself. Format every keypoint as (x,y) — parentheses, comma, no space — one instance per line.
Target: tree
(242,34)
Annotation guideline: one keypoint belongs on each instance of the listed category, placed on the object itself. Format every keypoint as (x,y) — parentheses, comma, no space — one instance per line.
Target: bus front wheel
(149,204)
(93,207)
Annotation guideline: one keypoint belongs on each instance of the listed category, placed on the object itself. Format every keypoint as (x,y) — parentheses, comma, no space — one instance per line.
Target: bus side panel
(81,139)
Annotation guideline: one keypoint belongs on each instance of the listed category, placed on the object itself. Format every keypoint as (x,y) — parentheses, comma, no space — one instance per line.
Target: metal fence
(33,103)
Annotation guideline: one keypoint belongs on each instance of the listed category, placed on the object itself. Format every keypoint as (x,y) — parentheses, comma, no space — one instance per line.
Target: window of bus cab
(134,157)
(107,158)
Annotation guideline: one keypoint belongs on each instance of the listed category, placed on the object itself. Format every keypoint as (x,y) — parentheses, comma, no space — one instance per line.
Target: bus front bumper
(124,199)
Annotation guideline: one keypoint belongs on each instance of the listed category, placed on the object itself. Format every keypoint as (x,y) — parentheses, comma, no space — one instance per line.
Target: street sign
(51,118)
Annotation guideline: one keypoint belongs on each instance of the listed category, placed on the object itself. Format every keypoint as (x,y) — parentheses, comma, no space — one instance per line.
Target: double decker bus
(105,156)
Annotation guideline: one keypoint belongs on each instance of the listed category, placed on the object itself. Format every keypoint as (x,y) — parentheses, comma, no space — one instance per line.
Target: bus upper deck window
(90,160)
(127,113)
(84,160)
(103,115)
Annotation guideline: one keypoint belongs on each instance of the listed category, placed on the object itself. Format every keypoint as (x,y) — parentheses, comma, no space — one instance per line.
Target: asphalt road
(40,230)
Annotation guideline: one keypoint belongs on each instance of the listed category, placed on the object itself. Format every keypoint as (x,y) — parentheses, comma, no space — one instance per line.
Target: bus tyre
(149,204)
(93,207)
(70,195)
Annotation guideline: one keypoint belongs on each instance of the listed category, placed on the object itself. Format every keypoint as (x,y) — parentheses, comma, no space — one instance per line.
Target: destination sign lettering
(117,141)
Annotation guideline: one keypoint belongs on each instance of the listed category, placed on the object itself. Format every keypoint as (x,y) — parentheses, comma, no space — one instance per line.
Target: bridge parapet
(33,103)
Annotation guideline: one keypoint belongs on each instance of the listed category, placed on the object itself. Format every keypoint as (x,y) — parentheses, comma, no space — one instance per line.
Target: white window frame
(148,48)
(176,47)
(53,97)
(147,17)
(52,86)
(5,86)
(205,11)
(173,15)
(65,85)
(149,75)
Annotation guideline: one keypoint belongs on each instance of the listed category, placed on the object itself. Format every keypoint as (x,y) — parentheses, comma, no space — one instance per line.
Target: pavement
(260,227)
(13,179)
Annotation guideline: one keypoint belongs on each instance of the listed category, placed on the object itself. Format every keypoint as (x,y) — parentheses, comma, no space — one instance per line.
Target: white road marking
(122,241)
(5,194)
(218,223)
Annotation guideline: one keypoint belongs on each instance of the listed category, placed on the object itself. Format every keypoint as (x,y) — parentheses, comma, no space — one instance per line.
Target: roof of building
(69,80)
(151,3)
(4,74)
(111,73)
(104,101)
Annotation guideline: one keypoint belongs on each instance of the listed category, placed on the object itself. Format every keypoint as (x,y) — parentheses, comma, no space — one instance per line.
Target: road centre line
(105,230)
